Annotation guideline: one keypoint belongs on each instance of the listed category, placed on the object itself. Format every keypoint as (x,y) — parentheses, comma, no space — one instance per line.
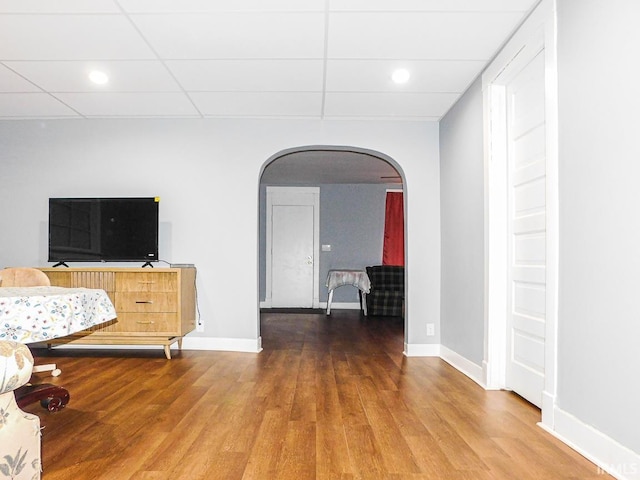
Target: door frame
(537,32)
(279,196)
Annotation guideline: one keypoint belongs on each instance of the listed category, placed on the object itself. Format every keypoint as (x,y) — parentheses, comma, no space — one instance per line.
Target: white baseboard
(422,349)
(609,456)
(460,363)
(249,345)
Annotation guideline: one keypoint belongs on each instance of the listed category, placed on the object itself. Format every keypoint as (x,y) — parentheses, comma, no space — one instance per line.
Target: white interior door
(526,296)
(292,247)
(292,250)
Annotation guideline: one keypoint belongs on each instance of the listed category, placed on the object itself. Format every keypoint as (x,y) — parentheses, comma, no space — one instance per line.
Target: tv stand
(60,264)
(154,306)
(147,264)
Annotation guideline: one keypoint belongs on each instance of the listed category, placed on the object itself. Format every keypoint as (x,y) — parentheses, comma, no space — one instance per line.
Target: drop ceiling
(312,59)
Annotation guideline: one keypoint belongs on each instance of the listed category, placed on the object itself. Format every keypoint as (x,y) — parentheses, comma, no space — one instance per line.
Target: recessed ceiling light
(401,75)
(98,77)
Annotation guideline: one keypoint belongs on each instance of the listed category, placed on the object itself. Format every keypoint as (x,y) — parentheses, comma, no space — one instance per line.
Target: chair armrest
(16,364)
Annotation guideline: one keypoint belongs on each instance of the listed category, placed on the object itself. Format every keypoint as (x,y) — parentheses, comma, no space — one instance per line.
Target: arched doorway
(352,183)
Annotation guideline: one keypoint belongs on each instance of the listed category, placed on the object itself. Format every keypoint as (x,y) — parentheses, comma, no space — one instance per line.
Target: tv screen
(103,229)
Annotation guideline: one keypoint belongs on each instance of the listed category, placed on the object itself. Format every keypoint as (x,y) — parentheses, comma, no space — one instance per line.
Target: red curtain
(393,246)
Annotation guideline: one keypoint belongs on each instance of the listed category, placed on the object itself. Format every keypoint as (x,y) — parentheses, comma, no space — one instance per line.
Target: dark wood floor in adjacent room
(328,398)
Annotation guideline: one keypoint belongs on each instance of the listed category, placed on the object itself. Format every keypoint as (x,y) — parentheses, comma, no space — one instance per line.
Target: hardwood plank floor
(329,398)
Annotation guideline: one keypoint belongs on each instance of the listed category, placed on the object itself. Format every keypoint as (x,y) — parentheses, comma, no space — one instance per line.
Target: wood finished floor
(329,398)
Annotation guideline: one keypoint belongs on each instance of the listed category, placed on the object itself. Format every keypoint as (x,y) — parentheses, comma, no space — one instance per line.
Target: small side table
(357,278)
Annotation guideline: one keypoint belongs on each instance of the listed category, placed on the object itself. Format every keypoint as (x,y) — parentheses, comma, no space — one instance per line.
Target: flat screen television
(103,229)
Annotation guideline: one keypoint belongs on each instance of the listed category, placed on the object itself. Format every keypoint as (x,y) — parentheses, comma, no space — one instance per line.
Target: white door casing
(292,224)
(513,246)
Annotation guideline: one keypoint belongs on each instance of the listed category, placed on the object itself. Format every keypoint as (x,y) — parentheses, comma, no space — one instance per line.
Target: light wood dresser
(155,306)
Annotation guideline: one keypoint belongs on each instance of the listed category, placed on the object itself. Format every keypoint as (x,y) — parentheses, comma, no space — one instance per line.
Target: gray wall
(462,226)
(352,222)
(599,171)
(207,173)
(599,157)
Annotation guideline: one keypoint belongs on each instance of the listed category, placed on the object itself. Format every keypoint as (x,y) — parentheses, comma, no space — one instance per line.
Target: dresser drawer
(145,302)
(142,323)
(146,282)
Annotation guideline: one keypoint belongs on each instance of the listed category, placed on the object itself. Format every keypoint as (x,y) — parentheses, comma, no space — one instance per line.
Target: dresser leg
(167,351)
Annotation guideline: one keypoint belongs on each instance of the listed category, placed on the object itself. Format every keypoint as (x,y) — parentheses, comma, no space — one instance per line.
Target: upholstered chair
(19,431)
(386,297)
(23,277)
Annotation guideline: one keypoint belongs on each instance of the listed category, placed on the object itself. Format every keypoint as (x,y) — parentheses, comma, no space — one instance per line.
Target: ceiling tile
(401,105)
(70,37)
(32,105)
(72,76)
(235,35)
(252,104)
(113,104)
(248,75)
(276,58)
(12,82)
(431,36)
(201,6)
(58,6)
(432,5)
(426,75)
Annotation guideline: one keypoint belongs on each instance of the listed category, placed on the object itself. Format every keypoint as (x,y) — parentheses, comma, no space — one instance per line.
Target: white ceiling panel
(202,6)
(58,6)
(380,105)
(234,35)
(248,75)
(124,76)
(253,104)
(33,105)
(418,35)
(70,37)
(253,58)
(12,82)
(113,104)
(431,5)
(426,75)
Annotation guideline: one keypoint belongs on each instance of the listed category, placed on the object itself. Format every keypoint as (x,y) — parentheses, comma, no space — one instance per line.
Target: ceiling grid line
(247,58)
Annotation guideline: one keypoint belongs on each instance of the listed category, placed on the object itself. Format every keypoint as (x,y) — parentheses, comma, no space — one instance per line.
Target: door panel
(527,229)
(292,255)
(293,232)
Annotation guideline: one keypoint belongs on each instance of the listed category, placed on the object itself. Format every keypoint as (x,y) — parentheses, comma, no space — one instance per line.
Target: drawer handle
(146,282)
(144,301)
(147,322)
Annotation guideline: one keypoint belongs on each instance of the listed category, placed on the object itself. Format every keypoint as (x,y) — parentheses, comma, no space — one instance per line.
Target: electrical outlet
(431,329)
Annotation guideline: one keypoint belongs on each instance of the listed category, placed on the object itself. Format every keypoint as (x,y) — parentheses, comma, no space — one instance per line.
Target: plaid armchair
(387,290)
